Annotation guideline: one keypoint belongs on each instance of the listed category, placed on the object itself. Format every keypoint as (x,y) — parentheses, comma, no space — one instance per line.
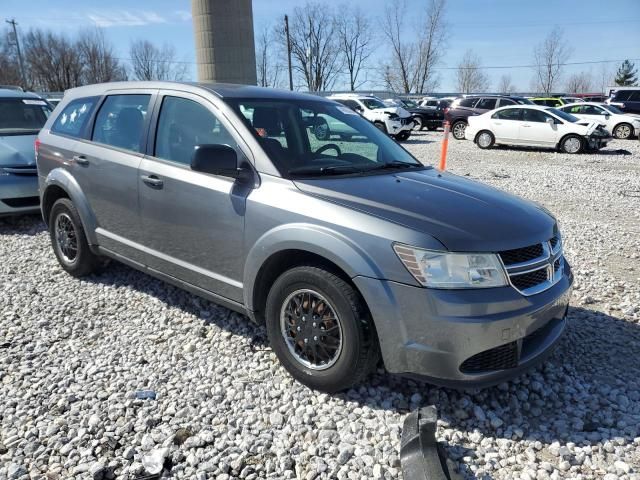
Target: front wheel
(322,130)
(572,144)
(69,240)
(320,329)
(623,131)
(457,129)
(485,139)
(404,135)
(417,123)
(380,126)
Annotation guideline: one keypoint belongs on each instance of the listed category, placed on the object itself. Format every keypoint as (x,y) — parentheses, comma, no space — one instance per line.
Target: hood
(462,214)
(401,112)
(17,150)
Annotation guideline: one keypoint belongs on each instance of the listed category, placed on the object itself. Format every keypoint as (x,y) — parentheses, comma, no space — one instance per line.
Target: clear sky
(501,32)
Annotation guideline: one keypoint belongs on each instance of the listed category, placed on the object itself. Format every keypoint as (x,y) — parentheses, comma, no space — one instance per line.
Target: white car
(395,121)
(621,125)
(536,126)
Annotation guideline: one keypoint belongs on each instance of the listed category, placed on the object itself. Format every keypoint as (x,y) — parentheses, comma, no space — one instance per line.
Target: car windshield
(613,109)
(563,115)
(22,116)
(309,138)
(523,101)
(372,103)
(410,103)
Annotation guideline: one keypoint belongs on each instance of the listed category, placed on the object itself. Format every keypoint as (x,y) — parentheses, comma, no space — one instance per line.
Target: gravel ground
(100,378)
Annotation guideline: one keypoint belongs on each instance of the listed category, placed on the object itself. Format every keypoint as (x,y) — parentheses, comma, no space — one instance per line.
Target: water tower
(225,49)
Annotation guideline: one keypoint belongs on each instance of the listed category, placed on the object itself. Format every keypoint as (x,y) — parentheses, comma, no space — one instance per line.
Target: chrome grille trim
(545,262)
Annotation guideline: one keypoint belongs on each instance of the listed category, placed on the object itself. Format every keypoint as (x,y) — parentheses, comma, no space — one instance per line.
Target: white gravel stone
(74,352)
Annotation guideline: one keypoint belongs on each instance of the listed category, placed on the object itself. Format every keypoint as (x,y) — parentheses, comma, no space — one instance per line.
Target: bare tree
(549,58)
(469,75)
(398,73)
(581,82)
(100,62)
(267,68)
(355,39)
(604,78)
(431,39)
(412,65)
(314,45)
(52,61)
(504,84)
(149,62)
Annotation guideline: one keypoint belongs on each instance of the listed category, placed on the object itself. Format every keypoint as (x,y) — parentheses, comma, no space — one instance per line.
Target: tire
(572,144)
(322,131)
(380,126)
(66,232)
(404,135)
(623,131)
(358,352)
(418,124)
(457,129)
(485,139)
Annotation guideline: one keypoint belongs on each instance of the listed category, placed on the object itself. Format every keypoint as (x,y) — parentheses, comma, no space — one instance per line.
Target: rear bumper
(18,194)
(465,338)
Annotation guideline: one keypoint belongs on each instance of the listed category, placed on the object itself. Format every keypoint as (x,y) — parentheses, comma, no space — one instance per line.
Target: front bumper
(18,194)
(457,337)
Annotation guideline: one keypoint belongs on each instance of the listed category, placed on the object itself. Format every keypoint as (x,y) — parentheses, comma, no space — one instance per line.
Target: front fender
(322,241)
(63,179)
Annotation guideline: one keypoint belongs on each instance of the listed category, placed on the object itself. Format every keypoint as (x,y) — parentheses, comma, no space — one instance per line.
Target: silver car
(349,252)
(22,115)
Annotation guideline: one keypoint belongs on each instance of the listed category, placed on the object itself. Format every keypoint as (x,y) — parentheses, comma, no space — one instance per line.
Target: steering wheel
(329,146)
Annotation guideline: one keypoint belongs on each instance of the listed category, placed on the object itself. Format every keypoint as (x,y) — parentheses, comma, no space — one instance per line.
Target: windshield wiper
(396,165)
(329,170)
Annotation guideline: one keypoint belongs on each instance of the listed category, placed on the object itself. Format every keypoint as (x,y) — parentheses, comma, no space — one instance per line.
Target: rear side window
(508,114)
(73,119)
(622,94)
(120,121)
(635,96)
(468,102)
(506,101)
(487,103)
(182,125)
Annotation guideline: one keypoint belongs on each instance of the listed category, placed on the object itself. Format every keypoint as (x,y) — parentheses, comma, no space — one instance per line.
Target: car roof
(222,90)
(543,108)
(6,93)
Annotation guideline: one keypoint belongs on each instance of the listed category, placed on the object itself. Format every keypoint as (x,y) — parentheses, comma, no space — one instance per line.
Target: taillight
(36,147)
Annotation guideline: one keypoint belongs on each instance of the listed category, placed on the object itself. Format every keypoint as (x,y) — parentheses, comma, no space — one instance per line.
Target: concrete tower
(225,50)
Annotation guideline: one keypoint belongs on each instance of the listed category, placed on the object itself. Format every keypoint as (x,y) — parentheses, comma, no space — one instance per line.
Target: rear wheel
(572,144)
(485,139)
(320,329)
(69,240)
(457,130)
(623,131)
(322,131)
(417,123)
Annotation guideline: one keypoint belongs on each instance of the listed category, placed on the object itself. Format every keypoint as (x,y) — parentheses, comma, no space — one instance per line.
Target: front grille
(520,255)
(498,358)
(26,171)
(530,279)
(535,268)
(22,202)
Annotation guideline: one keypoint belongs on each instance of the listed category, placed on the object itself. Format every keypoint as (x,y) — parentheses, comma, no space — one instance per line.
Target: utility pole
(13,23)
(286,29)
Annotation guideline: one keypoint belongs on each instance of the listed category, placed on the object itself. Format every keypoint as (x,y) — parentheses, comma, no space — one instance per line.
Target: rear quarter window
(467,102)
(72,120)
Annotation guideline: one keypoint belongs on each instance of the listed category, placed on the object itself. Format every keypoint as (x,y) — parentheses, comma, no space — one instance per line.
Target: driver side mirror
(550,121)
(358,109)
(218,160)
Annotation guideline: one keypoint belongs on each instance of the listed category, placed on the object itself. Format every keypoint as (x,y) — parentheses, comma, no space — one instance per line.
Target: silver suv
(349,250)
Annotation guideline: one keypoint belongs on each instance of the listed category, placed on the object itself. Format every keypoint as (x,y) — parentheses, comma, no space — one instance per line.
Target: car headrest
(265,117)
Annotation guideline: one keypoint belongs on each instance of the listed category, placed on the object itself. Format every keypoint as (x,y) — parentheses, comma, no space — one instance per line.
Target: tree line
(55,62)
(402,51)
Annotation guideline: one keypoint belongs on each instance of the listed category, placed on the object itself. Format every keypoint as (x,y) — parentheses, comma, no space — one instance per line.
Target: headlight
(452,270)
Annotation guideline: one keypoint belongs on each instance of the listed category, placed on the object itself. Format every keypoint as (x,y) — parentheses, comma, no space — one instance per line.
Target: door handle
(526,125)
(80,160)
(152,181)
